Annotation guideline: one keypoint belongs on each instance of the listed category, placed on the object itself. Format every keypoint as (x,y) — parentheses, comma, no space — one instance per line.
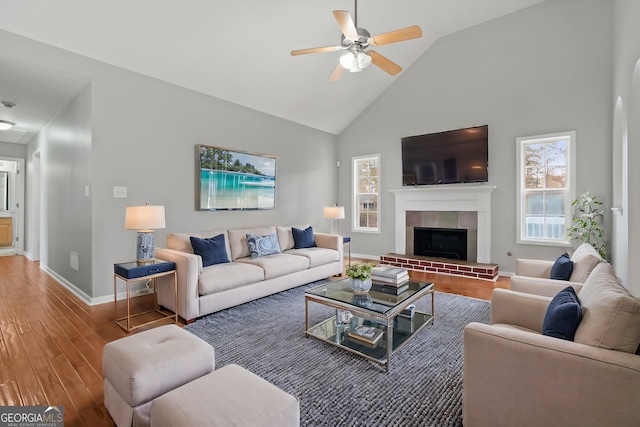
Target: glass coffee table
(372,325)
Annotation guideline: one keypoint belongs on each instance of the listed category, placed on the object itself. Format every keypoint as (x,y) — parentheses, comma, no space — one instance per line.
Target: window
(366,193)
(545,190)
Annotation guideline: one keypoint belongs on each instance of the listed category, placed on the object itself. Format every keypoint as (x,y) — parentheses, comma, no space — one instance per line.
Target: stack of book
(389,279)
(367,335)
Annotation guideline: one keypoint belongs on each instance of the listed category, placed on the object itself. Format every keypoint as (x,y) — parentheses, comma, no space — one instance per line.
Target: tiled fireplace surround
(446,206)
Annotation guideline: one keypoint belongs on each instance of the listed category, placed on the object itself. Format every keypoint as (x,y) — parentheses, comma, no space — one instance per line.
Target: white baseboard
(365,256)
(67,284)
(86,298)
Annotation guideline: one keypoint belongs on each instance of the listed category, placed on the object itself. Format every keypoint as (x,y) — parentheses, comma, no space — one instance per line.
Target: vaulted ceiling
(237,51)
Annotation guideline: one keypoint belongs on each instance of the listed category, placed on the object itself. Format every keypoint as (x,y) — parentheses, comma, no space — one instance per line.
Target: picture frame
(229,179)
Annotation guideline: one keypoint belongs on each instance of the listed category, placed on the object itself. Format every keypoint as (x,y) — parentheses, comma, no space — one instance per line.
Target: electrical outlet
(74,261)
(119,192)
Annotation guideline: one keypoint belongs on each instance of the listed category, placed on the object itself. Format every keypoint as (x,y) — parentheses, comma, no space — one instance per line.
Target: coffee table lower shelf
(338,334)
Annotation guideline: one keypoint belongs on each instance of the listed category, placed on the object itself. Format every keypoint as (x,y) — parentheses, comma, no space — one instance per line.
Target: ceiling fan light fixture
(355,61)
(6,125)
(364,60)
(347,60)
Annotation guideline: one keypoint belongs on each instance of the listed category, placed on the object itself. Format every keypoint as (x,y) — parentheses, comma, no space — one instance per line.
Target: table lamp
(334,213)
(145,219)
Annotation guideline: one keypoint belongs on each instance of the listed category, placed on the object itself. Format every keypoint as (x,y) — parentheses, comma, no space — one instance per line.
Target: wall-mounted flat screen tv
(454,156)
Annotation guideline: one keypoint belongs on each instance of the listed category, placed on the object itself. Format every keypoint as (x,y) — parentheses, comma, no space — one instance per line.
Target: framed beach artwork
(234,180)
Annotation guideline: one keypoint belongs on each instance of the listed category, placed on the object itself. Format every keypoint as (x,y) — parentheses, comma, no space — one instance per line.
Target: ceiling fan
(356,41)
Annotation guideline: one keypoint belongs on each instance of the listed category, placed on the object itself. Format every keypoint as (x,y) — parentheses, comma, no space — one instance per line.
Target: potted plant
(586,227)
(360,275)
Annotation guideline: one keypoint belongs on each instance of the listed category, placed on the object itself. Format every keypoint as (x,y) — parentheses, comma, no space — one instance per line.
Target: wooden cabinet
(5,232)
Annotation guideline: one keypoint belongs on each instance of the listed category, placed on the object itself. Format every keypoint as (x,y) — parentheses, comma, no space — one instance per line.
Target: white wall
(143,134)
(626,101)
(544,69)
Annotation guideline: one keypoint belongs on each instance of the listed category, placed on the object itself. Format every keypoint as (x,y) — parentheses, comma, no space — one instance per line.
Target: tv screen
(449,157)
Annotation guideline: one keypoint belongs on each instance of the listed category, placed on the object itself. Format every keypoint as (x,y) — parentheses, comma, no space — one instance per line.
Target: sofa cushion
(278,264)
(285,236)
(562,268)
(303,238)
(238,240)
(563,315)
(182,241)
(231,275)
(610,314)
(263,245)
(585,258)
(317,256)
(211,250)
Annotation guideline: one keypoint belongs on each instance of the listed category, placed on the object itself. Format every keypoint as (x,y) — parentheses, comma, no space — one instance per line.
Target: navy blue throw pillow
(563,316)
(303,238)
(212,250)
(562,268)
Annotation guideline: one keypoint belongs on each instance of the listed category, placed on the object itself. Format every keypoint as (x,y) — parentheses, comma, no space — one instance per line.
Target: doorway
(12,205)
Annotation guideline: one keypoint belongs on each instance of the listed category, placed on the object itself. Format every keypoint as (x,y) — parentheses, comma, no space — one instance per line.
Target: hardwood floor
(51,342)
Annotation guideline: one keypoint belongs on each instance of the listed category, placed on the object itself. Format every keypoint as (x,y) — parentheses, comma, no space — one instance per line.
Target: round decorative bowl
(361,286)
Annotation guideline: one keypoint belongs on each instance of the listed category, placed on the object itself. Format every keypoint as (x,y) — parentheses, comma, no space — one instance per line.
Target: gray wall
(626,101)
(143,133)
(65,144)
(17,151)
(544,69)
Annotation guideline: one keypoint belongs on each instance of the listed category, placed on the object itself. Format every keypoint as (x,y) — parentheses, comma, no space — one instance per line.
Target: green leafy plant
(586,226)
(359,271)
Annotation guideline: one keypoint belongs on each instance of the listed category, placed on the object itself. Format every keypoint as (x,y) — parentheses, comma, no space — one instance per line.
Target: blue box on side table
(131,270)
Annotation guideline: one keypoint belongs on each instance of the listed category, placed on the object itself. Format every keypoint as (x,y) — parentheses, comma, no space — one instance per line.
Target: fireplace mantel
(449,197)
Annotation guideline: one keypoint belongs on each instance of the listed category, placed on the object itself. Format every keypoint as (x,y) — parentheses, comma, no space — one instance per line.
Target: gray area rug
(338,388)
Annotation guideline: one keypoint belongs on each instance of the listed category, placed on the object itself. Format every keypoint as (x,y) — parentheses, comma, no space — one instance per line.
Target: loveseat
(238,276)
(516,373)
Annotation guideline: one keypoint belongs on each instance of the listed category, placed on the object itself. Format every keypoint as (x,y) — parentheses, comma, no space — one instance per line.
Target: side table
(346,241)
(130,272)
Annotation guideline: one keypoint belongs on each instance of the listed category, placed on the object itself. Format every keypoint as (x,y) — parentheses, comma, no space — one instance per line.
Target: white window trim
(570,185)
(354,200)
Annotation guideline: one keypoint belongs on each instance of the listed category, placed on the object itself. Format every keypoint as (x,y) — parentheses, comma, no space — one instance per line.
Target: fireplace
(448,243)
(467,198)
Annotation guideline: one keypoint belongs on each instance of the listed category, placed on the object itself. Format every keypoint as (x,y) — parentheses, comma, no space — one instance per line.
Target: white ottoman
(141,367)
(230,396)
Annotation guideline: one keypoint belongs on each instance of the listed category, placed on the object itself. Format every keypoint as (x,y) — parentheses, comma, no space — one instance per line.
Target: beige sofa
(514,375)
(205,290)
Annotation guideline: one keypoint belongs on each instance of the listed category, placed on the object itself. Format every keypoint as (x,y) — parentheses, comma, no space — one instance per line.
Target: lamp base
(333,228)
(145,248)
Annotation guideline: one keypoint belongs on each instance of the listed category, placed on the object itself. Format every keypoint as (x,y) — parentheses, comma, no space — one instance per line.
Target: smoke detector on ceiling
(8,104)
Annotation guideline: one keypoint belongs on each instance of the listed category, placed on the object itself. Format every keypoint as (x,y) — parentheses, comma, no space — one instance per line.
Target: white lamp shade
(144,217)
(334,212)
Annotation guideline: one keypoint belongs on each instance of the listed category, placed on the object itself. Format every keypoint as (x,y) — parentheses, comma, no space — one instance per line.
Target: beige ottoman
(141,367)
(230,396)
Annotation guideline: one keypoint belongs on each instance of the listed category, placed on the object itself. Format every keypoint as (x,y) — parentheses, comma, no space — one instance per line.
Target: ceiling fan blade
(403,34)
(346,24)
(315,50)
(384,63)
(337,73)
